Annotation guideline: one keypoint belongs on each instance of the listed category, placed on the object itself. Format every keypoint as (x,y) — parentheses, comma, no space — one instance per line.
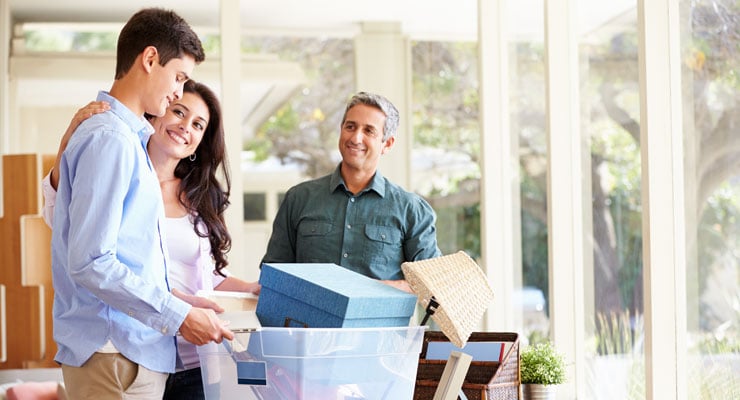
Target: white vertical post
(5,35)
(3,327)
(5,32)
(663,224)
(565,191)
(232,115)
(383,66)
(500,216)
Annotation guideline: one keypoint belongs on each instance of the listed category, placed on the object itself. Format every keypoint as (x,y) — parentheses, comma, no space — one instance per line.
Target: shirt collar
(377,184)
(137,123)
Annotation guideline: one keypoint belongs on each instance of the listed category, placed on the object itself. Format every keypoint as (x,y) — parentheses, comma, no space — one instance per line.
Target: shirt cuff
(174,316)
(50,198)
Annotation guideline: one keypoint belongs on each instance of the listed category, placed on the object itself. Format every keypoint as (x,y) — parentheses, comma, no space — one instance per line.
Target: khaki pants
(112,376)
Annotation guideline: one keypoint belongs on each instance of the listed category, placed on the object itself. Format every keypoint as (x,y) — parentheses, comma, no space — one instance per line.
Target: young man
(355,217)
(114,317)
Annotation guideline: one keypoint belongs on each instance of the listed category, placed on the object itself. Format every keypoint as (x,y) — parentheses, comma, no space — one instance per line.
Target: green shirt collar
(377,184)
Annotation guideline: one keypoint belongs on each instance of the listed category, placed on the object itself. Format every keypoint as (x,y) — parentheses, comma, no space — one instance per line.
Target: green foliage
(542,364)
(713,51)
(714,381)
(305,130)
(534,252)
(283,124)
(470,230)
(48,41)
(95,41)
(718,245)
(619,333)
(536,337)
(211,44)
(445,116)
(461,227)
(58,41)
(446,99)
(710,344)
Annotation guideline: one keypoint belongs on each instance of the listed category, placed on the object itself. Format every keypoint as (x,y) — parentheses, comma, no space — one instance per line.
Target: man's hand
(197,301)
(202,326)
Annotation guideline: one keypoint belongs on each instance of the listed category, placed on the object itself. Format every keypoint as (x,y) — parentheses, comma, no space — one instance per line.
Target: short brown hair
(163,29)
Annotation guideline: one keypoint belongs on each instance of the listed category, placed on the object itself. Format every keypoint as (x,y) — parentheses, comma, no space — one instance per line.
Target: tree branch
(617,113)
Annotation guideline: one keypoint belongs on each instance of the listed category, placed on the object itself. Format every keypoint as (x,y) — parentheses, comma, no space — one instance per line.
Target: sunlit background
(299,66)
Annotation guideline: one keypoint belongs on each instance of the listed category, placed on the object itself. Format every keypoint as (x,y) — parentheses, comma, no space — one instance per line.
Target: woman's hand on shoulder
(92,108)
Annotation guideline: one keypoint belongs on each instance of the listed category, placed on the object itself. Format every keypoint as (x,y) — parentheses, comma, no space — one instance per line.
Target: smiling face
(180,130)
(166,82)
(361,140)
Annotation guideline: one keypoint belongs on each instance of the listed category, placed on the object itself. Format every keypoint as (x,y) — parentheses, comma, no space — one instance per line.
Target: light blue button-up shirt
(108,258)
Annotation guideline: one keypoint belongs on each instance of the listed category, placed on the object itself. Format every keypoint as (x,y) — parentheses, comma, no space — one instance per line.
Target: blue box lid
(337,290)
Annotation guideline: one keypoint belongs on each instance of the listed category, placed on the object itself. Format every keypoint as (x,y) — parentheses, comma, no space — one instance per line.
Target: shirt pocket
(384,251)
(313,243)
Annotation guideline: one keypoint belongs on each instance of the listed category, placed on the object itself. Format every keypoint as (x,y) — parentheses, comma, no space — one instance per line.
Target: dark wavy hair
(200,190)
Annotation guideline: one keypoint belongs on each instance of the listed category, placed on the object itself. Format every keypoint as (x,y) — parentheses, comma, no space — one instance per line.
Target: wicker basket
(485,380)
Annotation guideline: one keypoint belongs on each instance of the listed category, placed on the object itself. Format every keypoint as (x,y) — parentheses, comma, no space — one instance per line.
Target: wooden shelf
(26,273)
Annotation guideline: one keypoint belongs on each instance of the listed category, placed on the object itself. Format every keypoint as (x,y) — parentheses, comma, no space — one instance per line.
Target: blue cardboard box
(329,296)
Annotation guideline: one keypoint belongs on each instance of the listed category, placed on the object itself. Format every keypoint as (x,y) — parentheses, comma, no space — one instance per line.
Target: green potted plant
(542,369)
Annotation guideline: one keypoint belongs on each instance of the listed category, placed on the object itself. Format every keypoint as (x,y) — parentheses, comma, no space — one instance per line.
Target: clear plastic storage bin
(314,363)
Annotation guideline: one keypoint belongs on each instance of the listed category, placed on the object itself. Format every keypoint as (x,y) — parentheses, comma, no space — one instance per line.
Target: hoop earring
(192,157)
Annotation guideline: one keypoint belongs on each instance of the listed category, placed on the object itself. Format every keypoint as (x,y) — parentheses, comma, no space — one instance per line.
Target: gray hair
(381,103)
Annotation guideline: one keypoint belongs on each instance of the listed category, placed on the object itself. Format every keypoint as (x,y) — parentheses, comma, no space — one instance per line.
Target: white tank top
(187,272)
(190,269)
(183,246)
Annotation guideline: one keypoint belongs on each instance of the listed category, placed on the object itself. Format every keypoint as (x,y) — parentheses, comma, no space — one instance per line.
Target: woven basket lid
(458,285)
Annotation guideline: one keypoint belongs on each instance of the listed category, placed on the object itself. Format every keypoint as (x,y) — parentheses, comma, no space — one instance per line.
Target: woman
(187,150)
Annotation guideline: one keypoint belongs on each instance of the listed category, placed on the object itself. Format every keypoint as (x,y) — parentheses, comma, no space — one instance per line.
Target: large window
(447,140)
(527,120)
(299,140)
(610,121)
(710,46)
(305,130)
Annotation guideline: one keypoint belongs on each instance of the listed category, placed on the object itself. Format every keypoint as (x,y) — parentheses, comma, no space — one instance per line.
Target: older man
(355,217)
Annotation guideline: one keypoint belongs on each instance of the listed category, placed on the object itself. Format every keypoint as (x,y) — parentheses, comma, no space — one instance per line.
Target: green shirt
(372,232)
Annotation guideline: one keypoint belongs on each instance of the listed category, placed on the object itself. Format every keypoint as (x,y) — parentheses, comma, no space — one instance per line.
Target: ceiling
(266,84)
(271,82)
(419,18)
